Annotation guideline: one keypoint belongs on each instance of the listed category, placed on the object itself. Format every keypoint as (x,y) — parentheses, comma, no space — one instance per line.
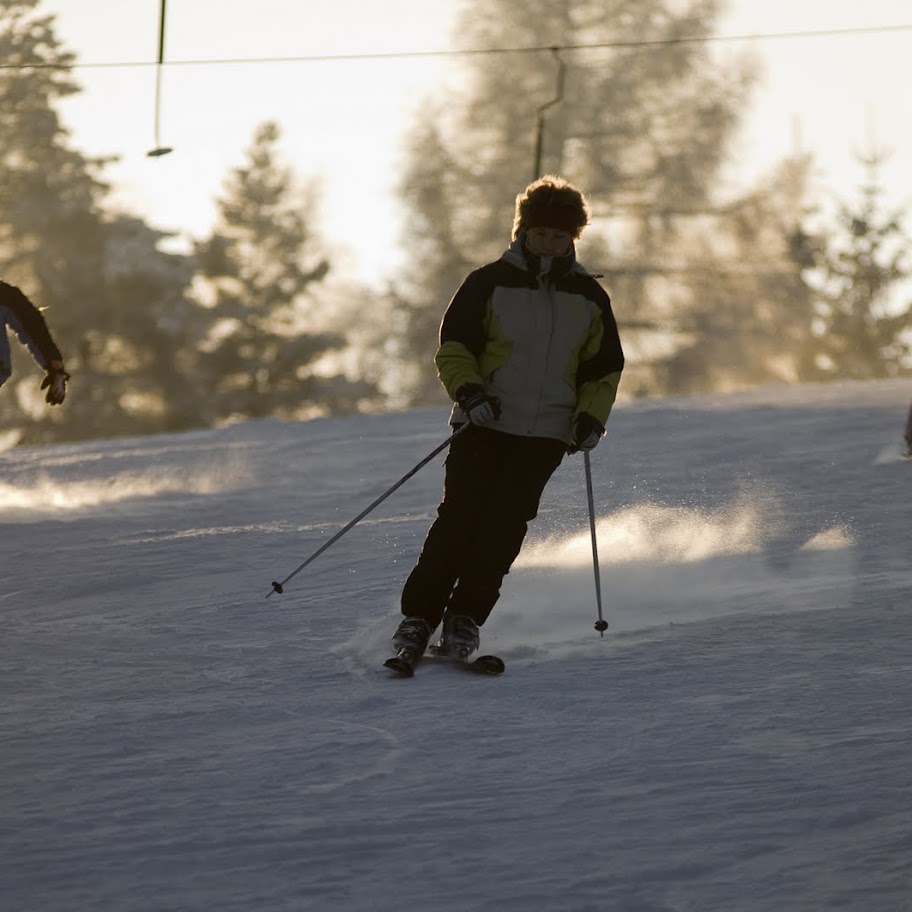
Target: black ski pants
(492,488)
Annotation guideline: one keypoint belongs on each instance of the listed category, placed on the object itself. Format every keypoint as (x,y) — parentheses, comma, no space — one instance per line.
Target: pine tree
(263,269)
(116,304)
(745,310)
(49,196)
(858,272)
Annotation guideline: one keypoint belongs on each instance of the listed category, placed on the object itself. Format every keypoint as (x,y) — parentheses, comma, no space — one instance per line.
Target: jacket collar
(517,255)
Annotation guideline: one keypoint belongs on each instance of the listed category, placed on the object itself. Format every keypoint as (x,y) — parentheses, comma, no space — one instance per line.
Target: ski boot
(459,638)
(410,640)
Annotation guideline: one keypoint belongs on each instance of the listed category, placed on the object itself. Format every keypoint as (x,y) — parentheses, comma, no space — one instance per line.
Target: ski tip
(488,664)
(399,667)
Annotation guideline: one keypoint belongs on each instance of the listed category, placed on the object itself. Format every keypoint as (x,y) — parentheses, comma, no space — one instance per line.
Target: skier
(529,353)
(19,314)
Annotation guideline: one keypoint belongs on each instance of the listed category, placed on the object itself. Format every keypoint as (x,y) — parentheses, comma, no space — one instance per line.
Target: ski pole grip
(277,587)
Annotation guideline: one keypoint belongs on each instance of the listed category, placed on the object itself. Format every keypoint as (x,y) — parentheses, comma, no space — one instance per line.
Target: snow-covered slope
(171,739)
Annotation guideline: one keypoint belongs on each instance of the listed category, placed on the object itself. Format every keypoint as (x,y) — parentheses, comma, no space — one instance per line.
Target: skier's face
(548,242)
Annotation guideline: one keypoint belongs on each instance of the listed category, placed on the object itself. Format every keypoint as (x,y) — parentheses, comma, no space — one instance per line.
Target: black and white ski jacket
(540,336)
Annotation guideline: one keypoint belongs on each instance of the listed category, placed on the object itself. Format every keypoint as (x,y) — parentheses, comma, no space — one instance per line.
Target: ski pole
(601,625)
(279,586)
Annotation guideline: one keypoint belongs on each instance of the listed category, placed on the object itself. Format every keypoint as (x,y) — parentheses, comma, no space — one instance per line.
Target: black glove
(586,433)
(480,407)
(55,384)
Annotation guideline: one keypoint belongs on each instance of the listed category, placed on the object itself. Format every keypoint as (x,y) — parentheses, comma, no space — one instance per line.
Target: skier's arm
(18,312)
(30,327)
(601,362)
(463,335)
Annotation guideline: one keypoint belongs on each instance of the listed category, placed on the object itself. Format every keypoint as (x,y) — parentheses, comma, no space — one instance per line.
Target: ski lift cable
(469,52)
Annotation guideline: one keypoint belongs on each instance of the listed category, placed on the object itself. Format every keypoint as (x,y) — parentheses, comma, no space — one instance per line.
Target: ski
(400,667)
(483,664)
(403,666)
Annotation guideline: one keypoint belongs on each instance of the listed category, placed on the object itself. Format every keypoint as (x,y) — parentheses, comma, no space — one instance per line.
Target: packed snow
(740,738)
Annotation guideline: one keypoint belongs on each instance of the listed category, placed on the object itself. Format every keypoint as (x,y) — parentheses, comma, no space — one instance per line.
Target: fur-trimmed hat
(551,202)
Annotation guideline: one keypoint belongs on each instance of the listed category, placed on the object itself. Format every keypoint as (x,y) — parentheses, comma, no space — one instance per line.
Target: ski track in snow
(739,739)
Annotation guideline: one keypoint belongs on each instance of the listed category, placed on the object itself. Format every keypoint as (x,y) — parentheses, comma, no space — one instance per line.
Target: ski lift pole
(601,625)
(280,585)
(540,126)
(159,149)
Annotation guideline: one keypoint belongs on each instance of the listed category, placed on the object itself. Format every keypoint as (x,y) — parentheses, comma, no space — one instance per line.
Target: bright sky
(343,121)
